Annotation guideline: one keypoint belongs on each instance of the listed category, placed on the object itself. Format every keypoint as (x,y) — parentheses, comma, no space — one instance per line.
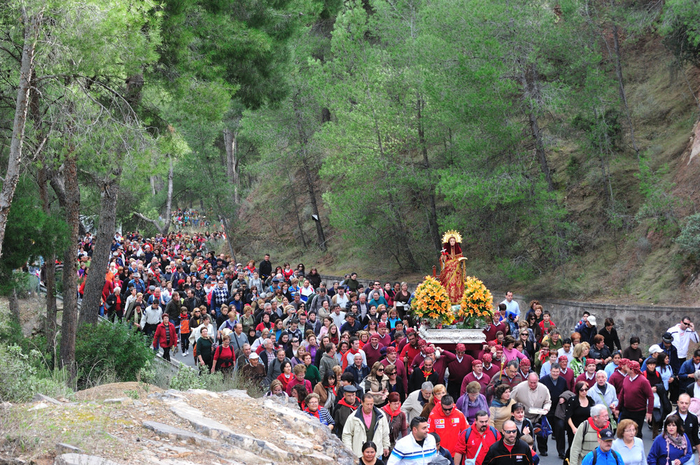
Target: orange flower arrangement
(477,303)
(431,302)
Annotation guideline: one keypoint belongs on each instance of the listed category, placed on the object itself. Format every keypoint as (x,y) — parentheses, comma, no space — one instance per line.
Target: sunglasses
(510,431)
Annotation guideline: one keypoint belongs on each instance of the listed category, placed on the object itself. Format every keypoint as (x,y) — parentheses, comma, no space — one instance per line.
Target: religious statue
(452,270)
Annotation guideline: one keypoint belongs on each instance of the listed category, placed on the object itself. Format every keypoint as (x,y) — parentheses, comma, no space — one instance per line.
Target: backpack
(595,457)
(228,363)
(468,432)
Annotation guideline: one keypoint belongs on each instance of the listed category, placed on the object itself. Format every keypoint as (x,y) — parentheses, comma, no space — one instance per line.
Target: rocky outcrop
(176,428)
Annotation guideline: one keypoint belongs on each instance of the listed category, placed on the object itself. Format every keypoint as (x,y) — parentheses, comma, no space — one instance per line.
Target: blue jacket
(657,453)
(687,368)
(604,458)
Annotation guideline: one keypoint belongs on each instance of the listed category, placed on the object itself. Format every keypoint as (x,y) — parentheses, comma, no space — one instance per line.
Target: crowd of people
(352,357)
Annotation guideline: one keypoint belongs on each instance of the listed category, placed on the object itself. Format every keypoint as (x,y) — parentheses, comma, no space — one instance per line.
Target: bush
(21,380)
(106,350)
(187,378)
(689,238)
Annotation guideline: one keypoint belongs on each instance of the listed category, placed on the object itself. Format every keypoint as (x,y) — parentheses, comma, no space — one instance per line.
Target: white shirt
(569,354)
(681,339)
(512,307)
(341,300)
(338,319)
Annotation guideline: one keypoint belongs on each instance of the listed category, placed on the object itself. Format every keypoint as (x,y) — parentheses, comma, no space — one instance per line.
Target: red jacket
(161,338)
(448,427)
(468,446)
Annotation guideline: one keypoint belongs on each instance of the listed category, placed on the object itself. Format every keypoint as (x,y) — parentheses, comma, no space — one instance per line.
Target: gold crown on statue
(451,233)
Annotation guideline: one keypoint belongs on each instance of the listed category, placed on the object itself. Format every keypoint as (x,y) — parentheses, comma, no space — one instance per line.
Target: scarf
(342,402)
(592,425)
(313,414)
(678,442)
(392,413)
(426,373)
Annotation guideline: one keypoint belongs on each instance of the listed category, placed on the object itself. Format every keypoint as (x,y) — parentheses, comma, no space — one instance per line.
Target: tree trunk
(69,324)
(50,263)
(231,142)
(163,230)
(14,165)
(432,209)
(89,310)
(14,306)
(539,147)
(296,210)
(229,235)
(402,235)
(303,142)
(169,200)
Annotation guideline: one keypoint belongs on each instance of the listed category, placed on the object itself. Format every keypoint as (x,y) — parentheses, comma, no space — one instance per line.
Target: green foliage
(689,238)
(187,378)
(22,380)
(680,26)
(104,349)
(30,234)
(659,207)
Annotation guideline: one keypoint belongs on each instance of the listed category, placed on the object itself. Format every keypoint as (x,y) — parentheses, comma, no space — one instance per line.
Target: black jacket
(498,454)
(265,269)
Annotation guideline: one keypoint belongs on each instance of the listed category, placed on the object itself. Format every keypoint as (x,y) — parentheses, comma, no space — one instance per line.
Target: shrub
(106,350)
(689,238)
(187,378)
(21,380)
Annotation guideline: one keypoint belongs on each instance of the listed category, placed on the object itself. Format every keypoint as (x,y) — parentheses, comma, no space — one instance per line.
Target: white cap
(591,320)
(655,349)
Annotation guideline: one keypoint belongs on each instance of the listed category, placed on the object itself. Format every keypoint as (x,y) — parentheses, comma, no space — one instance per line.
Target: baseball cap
(253,355)
(591,320)
(606,434)
(655,349)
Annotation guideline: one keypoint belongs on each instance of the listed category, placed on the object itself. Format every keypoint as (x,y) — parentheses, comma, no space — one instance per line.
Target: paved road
(188,360)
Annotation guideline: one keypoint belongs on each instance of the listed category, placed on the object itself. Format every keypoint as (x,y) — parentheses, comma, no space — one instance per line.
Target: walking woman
(165,336)
(673,446)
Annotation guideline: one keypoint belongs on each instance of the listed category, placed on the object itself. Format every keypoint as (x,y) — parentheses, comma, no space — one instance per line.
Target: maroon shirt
(616,379)
(569,378)
(494,370)
(484,381)
(636,395)
(491,330)
(458,370)
(373,355)
(582,377)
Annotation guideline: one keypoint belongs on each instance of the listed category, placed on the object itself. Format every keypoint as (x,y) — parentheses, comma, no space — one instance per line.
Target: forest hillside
(560,137)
